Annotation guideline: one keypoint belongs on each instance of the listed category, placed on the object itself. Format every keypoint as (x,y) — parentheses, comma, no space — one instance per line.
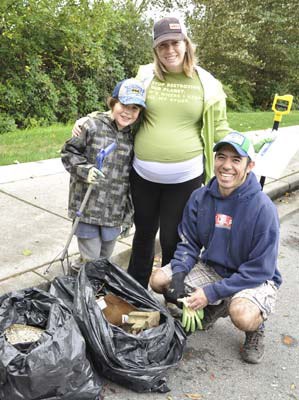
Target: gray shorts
(264,296)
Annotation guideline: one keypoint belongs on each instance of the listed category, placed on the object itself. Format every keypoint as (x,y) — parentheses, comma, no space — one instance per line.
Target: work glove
(191,319)
(93,175)
(176,288)
(76,131)
(258,139)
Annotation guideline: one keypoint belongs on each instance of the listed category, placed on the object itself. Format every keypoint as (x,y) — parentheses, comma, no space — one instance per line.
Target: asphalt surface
(34,232)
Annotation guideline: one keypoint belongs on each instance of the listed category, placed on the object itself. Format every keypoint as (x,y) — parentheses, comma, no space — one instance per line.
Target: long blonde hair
(189,61)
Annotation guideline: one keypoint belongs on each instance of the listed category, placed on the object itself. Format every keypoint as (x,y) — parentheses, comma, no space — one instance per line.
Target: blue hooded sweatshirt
(237,235)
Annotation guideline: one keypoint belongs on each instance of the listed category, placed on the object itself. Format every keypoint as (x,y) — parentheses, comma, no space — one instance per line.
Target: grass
(33,144)
(252,121)
(45,142)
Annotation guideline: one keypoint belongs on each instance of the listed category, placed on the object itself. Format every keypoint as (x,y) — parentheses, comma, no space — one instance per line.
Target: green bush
(31,99)
(89,95)
(67,103)
(240,99)
(12,100)
(7,123)
(41,97)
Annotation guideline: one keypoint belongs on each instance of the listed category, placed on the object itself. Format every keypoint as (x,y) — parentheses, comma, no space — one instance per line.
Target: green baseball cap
(239,142)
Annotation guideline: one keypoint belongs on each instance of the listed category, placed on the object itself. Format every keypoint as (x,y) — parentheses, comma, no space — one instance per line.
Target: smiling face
(125,115)
(171,54)
(230,169)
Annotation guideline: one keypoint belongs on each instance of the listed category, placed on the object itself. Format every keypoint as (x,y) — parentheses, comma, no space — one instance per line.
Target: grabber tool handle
(103,153)
(99,161)
(281,106)
(77,219)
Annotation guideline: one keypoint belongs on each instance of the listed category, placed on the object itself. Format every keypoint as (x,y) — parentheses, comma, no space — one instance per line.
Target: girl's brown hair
(189,61)
(111,101)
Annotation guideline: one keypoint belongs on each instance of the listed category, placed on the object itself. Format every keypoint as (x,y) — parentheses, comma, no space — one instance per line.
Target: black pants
(156,205)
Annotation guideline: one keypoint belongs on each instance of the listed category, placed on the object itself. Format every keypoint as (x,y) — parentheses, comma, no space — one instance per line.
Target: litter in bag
(139,362)
(42,351)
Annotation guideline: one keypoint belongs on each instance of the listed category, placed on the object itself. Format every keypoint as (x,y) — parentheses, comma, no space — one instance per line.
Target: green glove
(191,320)
(258,139)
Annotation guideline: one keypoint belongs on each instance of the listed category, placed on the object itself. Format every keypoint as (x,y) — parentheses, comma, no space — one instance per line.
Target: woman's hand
(76,131)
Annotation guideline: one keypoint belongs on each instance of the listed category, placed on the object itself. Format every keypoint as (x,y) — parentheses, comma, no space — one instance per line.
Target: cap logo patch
(174,26)
(135,90)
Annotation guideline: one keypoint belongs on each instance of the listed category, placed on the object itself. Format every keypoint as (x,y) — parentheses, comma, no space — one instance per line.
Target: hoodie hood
(244,192)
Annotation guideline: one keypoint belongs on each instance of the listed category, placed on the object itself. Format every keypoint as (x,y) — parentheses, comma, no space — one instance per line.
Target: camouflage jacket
(110,202)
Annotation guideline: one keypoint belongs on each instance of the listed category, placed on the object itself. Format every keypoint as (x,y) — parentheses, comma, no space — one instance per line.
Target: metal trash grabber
(281,106)
(99,163)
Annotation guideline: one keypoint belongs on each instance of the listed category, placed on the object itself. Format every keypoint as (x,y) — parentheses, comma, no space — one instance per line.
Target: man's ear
(250,166)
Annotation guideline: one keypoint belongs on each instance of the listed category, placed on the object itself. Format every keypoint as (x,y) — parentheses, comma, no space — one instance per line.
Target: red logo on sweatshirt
(223,221)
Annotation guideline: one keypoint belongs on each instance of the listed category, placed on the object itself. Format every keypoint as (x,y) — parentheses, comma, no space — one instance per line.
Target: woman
(185,115)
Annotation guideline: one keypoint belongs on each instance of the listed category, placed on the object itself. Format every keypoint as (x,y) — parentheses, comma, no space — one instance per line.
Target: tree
(60,59)
(250,46)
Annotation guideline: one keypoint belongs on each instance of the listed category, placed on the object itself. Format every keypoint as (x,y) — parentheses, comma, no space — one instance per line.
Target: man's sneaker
(212,313)
(253,349)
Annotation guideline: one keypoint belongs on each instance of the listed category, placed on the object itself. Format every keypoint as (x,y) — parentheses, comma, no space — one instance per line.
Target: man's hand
(197,299)
(76,131)
(93,175)
(176,288)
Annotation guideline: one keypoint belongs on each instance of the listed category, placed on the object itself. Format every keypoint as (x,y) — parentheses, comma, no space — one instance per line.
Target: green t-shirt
(170,131)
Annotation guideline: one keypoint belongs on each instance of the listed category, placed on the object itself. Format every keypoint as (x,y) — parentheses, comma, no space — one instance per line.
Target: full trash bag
(55,366)
(138,362)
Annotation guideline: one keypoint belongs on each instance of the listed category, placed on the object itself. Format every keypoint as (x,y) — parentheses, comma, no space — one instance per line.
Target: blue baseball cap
(239,142)
(130,91)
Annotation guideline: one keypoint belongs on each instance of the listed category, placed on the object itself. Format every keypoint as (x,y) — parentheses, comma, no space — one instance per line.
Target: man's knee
(244,314)
(159,281)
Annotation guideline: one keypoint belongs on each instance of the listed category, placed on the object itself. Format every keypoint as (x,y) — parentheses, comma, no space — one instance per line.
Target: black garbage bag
(138,362)
(55,366)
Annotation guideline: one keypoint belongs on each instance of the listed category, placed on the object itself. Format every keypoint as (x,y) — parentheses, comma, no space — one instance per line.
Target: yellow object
(281,106)
(141,320)
(21,333)
(191,319)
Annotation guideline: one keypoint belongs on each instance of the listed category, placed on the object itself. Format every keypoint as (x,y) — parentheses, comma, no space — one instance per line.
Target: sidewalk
(35,226)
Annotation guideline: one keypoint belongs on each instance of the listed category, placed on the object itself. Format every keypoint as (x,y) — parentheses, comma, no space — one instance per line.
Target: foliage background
(60,59)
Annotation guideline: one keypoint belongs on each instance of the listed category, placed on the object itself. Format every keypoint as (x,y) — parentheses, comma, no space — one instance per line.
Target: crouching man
(227,257)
